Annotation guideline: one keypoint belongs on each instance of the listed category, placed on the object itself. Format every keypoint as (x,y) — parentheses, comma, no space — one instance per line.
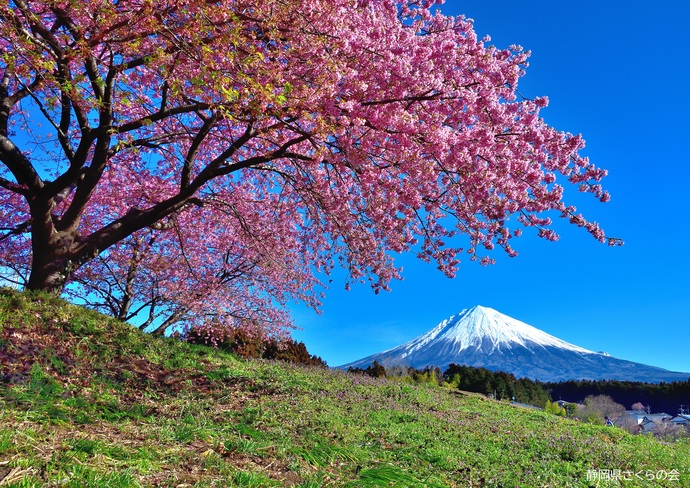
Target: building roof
(657,416)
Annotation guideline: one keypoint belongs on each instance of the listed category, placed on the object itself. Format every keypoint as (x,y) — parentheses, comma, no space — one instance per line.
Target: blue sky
(619,73)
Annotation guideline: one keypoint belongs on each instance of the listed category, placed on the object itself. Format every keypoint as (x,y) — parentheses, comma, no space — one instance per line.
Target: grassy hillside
(88,401)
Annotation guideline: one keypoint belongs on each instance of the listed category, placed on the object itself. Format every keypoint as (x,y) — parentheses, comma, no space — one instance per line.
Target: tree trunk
(53,260)
(49,272)
(174,317)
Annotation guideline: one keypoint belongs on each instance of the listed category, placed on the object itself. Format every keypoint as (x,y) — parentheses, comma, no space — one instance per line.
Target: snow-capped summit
(479,327)
(483,337)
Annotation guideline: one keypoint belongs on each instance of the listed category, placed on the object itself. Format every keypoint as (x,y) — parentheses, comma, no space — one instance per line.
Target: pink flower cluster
(207,161)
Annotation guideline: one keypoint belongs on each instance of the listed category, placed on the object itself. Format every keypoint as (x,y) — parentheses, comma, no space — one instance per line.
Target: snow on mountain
(484,337)
(473,327)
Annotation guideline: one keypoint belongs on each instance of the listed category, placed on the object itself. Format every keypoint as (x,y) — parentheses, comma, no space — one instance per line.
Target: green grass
(87,401)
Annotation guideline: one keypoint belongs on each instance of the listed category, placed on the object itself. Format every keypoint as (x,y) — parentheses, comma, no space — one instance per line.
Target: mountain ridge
(483,337)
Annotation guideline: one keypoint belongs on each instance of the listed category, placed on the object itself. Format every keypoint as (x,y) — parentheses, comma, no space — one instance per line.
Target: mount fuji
(483,337)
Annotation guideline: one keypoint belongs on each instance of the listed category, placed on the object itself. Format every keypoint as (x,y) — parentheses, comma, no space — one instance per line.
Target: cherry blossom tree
(638,406)
(160,279)
(240,148)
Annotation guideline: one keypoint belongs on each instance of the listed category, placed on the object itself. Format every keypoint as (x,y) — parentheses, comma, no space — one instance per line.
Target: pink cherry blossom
(210,161)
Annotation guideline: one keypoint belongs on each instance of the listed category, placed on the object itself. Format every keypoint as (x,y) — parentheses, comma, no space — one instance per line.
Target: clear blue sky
(619,73)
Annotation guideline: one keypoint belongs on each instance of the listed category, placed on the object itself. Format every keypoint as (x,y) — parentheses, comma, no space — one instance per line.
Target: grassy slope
(88,401)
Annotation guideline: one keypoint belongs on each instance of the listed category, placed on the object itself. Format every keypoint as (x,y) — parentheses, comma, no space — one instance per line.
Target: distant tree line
(375,370)
(248,345)
(659,397)
(504,386)
(501,385)
(431,375)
